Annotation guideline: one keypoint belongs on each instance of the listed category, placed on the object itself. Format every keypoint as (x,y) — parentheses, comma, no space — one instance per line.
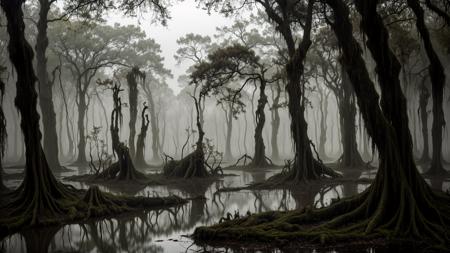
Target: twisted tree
(226,64)
(132,78)
(123,169)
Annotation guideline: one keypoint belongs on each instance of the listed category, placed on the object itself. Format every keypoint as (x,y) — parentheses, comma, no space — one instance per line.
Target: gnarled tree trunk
(140,145)
(259,159)
(40,196)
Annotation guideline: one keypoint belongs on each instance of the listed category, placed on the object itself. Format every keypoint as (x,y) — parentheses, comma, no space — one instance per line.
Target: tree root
(193,165)
(424,218)
(24,210)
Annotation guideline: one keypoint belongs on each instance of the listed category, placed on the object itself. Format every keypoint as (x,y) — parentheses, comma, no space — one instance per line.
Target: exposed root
(190,166)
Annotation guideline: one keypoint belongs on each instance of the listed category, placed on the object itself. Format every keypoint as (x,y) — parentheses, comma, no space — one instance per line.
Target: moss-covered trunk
(132,101)
(40,196)
(123,169)
(259,159)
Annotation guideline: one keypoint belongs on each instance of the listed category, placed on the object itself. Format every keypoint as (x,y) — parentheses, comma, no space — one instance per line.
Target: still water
(167,230)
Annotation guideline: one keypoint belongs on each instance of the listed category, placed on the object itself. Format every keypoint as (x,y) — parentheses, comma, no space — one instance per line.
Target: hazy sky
(185,18)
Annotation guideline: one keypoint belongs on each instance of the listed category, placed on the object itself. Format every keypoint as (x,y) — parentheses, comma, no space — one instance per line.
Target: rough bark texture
(259,159)
(45,89)
(437,77)
(40,195)
(140,144)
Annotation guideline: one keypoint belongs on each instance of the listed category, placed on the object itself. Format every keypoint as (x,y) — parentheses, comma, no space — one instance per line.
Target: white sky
(185,18)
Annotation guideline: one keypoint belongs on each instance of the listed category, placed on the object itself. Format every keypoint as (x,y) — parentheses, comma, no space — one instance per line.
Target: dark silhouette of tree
(226,64)
(132,78)
(334,77)
(140,143)
(123,169)
(437,77)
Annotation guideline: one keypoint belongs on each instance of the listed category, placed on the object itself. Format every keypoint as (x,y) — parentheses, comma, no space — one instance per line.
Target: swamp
(224,126)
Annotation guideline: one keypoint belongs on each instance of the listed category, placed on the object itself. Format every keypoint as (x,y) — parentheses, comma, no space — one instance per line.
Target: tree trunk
(228,154)
(193,165)
(154,126)
(437,77)
(275,123)
(82,107)
(140,145)
(68,122)
(423,102)
(347,110)
(399,203)
(132,101)
(40,194)
(123,169)
(45,89)
(305,166)
(259,159)
(323,107)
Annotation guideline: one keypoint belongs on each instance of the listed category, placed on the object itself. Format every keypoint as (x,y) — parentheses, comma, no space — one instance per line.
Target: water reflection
(166,230)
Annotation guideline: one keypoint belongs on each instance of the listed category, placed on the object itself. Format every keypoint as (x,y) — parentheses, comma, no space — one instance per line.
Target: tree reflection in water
(164,230)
